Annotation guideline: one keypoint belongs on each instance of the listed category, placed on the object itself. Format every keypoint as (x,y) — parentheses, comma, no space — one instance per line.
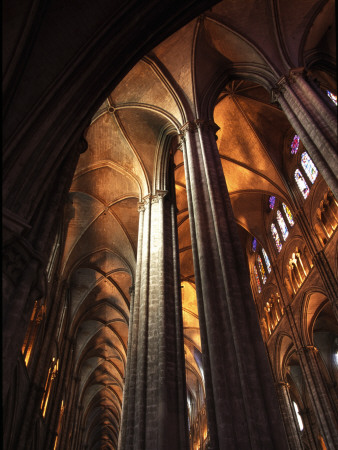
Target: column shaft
(242,407)
(289,418)
(154,415)
(323,404)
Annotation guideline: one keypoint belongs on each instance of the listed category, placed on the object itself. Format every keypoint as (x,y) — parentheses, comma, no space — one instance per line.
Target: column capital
(307,349)
(151,198)
(295,73)
(279,88)
(140,207)
(280,384)
(194,125)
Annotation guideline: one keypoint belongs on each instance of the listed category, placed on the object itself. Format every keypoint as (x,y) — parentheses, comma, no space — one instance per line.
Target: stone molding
(194,125)
(150,199)
(289,79)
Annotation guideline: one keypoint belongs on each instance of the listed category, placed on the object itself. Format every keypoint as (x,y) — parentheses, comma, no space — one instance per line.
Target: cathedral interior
(170,255)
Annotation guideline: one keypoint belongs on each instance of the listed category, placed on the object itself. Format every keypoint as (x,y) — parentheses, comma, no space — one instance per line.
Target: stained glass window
(332,97)
(275,235)
(266,259)
(309,167)
(302,185)
(254,244)
(282,225)
(288,215)
(294,144)
(257,280)
(299,417)
(272,201)
(261,269)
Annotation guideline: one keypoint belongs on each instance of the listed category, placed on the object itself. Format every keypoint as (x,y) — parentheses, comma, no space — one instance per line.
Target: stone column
(313,121)
(242,407)
(27,244)
(323,404)
(289,416)
(154,405)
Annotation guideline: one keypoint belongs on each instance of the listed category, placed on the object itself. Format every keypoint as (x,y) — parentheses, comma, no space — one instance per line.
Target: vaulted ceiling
(202,64)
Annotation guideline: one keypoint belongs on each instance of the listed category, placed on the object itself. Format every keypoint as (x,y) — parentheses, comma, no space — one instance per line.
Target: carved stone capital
(295,73)
(140,207)
(280,384)
(307,349)
(150,198)
(278,89)
(199,124)
(158,196)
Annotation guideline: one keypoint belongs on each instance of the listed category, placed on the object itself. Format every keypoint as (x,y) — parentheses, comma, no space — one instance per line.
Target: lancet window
(254,244)
(62,410)
(310,169)
(33,330)
(272,201)
(52,373)
(301,183)
(258,282)
(282,225)
(288,214)
(295,144)
(299,417)
(276,237)
(284,217)
(261,268)
(266,259)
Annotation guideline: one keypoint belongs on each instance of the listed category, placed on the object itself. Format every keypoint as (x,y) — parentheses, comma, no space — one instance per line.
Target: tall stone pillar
(289,416)
(313,121)
(324,405)
(154,405)
(26,249)
(242,406)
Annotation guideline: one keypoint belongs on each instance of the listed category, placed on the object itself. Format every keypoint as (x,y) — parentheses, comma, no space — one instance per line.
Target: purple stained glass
(295,144)
(310,169)
(282,225)
(257,280)
(302,185)
(261,269)
(254,244)
(272,201)
(275,235)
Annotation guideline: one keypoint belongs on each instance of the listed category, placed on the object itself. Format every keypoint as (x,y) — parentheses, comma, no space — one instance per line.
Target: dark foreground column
(154,404)
(242,406)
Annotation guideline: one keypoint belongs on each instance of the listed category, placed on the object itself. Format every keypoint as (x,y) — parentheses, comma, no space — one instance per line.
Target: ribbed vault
(125,161)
